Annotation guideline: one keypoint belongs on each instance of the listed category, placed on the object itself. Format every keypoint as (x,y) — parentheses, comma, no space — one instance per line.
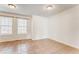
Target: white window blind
(5,25)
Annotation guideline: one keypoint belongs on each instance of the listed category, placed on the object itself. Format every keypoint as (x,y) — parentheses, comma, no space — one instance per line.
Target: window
(12,26)
(21,26)
(5,25)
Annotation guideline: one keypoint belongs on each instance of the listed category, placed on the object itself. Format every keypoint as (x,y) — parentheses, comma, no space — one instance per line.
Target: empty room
(39,28)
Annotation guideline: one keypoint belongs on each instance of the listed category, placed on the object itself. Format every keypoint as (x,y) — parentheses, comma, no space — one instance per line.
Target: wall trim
(62,42)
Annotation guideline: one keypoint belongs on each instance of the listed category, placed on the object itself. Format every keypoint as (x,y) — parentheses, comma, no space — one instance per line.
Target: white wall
(64,27)
(39,27)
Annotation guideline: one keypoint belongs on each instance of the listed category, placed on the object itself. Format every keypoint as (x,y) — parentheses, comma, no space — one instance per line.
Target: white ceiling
(35,9)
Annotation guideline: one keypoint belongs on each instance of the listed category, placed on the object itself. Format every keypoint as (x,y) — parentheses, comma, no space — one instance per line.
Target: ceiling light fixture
(12,5)
(50,7)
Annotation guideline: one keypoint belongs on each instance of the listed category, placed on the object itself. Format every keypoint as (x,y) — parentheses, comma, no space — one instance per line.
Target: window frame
(17,27)
(14,26)
(5,26)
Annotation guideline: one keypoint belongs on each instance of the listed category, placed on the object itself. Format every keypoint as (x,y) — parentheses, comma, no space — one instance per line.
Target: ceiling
(35,9)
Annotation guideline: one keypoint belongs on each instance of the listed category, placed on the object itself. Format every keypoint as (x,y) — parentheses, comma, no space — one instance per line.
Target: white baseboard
(5,40)
(65,43)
